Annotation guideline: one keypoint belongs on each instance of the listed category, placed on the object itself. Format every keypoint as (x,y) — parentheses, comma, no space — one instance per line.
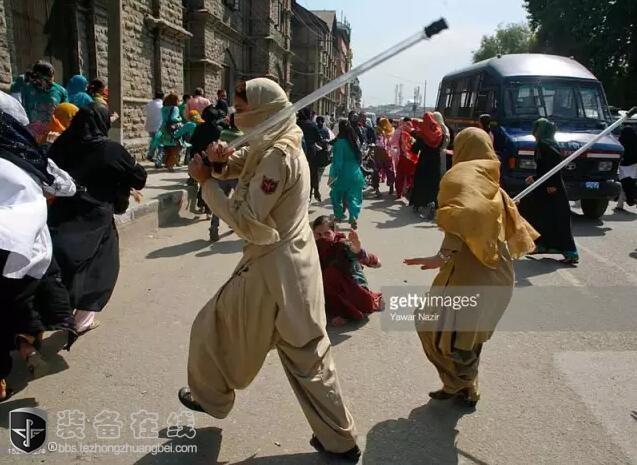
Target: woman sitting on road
(347,294)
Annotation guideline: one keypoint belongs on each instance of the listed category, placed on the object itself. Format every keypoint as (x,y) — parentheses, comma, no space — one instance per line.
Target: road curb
(157,212)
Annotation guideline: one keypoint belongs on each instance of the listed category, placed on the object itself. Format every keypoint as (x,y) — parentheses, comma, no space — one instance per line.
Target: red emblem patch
(268,186)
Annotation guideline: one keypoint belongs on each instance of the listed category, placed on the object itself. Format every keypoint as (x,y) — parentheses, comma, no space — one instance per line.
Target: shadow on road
(207,440)
(400,214)
(532,266)
(293,459)
(427,436)
(223,247)
(179,249)
(340,334)
(6,407)
(19,377)
(583,226)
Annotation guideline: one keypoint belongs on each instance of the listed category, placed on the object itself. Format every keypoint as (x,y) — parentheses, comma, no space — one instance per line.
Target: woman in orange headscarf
(483,234)
(60,121)
(429,137)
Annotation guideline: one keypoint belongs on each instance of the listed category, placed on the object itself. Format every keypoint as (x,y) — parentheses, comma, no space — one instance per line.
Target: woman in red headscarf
(429,138)
(347,293)
(407,159)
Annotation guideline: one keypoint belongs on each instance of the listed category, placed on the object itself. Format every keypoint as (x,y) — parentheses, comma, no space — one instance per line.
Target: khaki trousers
(229,341)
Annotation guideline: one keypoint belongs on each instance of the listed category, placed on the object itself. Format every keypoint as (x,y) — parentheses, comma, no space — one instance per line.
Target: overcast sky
(379,24)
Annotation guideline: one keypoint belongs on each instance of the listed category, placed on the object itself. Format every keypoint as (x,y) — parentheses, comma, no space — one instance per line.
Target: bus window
(485,103)
(523,101)
(592,106)
(559,99)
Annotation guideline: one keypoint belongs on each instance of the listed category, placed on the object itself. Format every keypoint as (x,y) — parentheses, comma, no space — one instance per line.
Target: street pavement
(550,394)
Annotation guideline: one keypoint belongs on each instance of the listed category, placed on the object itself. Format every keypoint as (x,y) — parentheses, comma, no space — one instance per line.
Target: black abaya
(549,214)
(85,240)
(427,175)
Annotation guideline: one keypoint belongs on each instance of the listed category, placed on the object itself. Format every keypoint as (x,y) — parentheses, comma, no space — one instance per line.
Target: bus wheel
(594,208)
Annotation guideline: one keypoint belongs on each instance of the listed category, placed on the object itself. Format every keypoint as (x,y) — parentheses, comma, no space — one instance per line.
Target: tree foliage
(602,35)
(510,38)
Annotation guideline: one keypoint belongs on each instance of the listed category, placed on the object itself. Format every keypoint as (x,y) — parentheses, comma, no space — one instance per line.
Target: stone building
(237,39)
(321,52)
(138,46)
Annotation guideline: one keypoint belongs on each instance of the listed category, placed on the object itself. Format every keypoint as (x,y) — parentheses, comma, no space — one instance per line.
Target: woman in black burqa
(547,207)
(85,240)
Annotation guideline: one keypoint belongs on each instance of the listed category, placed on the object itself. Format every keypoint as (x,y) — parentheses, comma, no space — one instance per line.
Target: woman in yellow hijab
(483,233)
(60,121)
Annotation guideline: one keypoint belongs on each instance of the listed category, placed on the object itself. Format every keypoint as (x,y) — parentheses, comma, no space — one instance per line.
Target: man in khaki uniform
(274,298)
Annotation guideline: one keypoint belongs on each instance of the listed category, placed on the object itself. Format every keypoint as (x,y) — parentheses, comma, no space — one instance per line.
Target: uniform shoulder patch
(269,185)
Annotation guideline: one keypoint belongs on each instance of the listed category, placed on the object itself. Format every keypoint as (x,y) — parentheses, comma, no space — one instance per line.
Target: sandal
(74,336)
(441,394)
(353,455)
(36,365)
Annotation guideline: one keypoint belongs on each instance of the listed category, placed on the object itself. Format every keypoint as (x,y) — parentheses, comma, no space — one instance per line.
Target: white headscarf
(23,210)
(23,229)
(11,106)
(447,135)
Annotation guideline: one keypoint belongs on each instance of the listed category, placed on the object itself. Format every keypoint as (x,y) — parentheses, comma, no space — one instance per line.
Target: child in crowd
(347,294)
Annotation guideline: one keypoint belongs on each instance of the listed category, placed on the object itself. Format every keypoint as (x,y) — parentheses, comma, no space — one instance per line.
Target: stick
(428,32)
(574,155)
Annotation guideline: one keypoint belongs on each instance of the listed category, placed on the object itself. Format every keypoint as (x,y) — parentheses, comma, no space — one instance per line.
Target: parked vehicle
(518,89)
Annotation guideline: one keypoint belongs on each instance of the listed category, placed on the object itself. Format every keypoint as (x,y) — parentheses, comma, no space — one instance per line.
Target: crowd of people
(61,181)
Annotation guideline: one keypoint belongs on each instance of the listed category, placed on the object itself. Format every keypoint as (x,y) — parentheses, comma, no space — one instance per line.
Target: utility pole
(424,99)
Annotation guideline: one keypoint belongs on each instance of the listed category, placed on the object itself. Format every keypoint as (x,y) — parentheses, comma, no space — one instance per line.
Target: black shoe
(185,397)
(317,197)
(352,455)
(214,235)
(191,182)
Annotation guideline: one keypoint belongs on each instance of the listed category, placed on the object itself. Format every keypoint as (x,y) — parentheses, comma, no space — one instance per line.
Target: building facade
(237,39)
(140,46)
(321,52)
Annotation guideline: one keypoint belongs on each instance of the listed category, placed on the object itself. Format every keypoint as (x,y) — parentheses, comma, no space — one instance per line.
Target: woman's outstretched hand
(354,241)
(425,263)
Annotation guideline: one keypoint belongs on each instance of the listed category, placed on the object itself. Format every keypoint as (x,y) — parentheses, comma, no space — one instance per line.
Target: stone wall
(101,39)
(138,51)
(5,60)
(172,65)
(145,39)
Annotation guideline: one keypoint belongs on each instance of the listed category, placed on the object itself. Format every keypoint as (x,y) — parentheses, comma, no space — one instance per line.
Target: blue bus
(518,89)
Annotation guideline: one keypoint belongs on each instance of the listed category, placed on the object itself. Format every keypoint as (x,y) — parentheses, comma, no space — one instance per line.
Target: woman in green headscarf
(547,207)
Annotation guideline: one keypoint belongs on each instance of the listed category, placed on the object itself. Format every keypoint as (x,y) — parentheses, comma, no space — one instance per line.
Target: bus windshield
(557,100)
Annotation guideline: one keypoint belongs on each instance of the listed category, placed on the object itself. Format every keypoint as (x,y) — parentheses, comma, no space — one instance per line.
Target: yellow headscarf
(473,206)
(64,113)
(385,127)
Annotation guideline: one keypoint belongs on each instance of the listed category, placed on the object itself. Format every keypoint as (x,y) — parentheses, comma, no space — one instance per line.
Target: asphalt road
(551,393)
